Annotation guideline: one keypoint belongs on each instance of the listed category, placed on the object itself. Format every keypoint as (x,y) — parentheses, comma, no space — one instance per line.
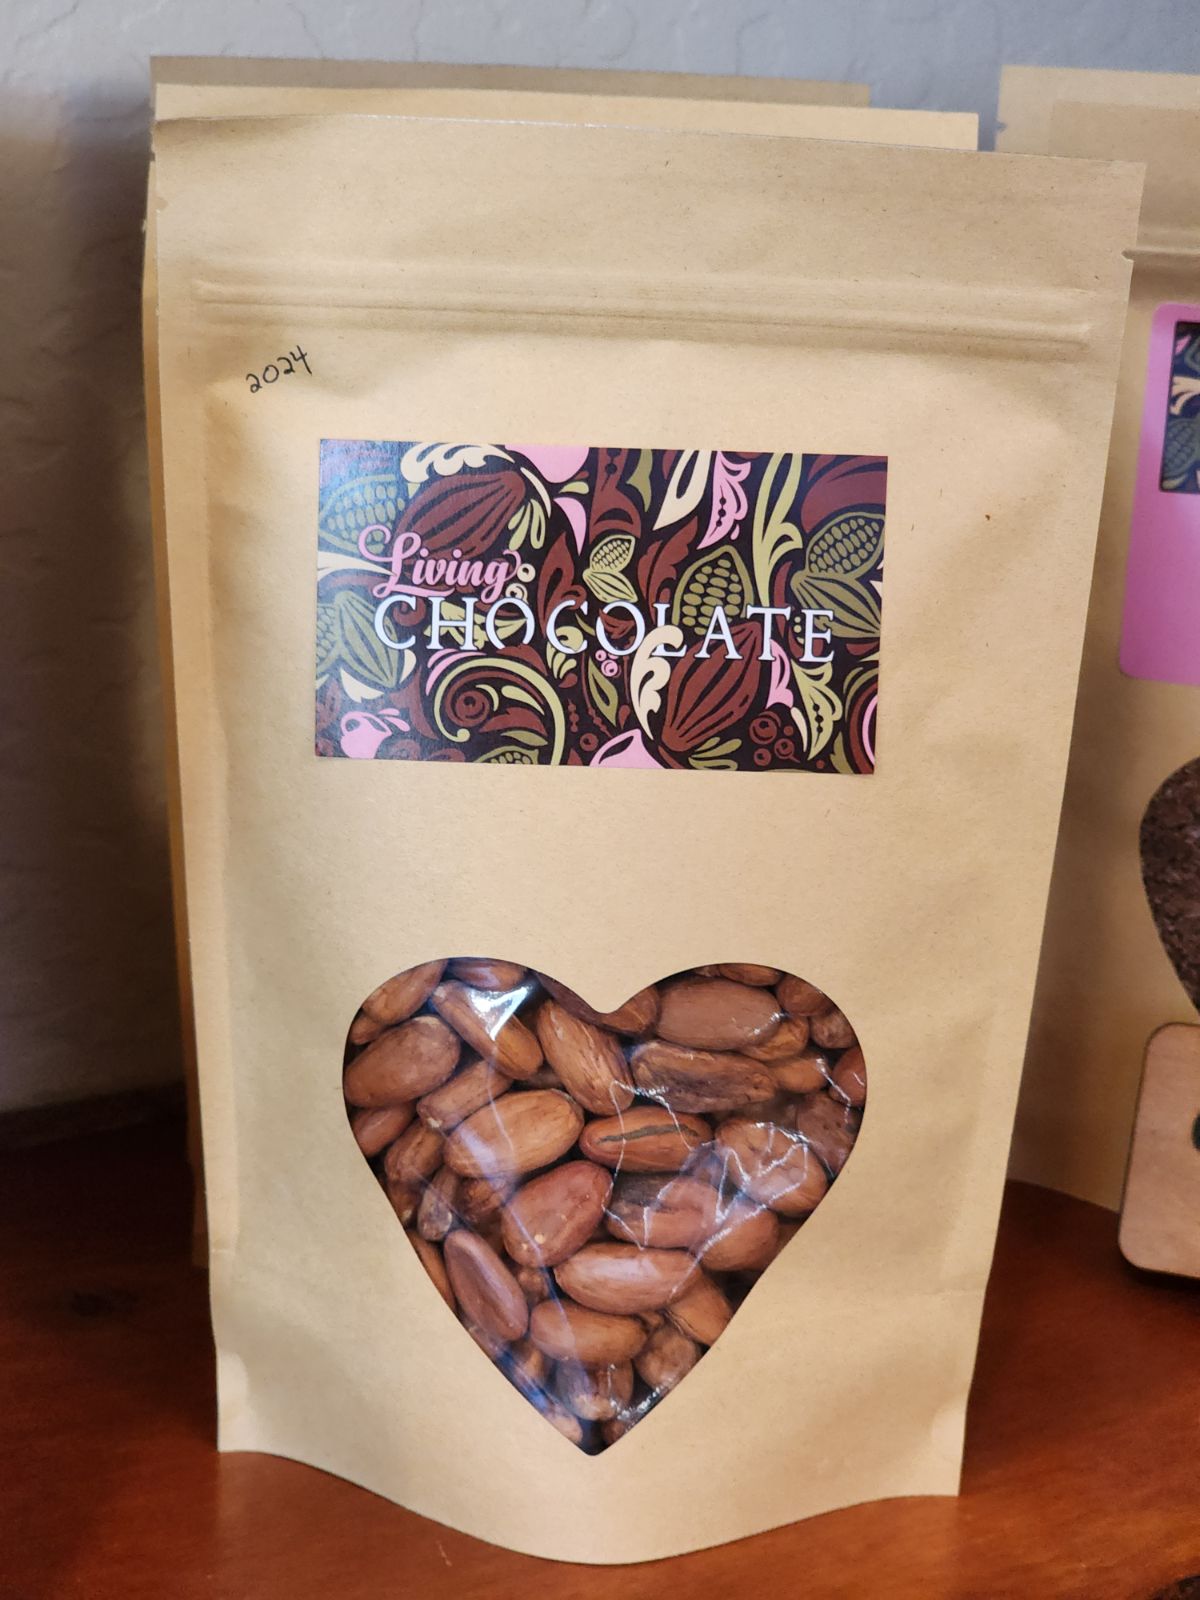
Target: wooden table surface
(1082,1470)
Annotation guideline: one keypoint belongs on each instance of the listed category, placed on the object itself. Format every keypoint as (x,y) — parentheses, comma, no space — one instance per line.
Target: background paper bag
(1106,982)
(268,72)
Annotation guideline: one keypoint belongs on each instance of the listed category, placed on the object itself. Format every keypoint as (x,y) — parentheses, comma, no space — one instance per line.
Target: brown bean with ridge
(689,1079)
(828,1127)
(536,1284)
(405,1198)
(415,1156)
(850,1078)
(470,1088)
(570,1332)
(748,972)
(635,1016)
(516,1134)
(402,1064)
(661,1212)
(479,973)
(773,1166)
(644,1139)
(788,1040)
(487,1291)
(364,1028)
(490,1026)
(595,1394)
(436,1214)
(715,1014)
(666,1358)
(745,1239)
(588,1059)
(703,1313)
(802,1074)
(529,1367)
(402,996)
(552,1216)
(800,998)
(375,1127)
(479,1201)
(623,1278)
(832,1031)
(430,1258)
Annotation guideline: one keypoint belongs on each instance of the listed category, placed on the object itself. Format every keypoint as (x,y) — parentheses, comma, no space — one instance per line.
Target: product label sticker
(554,605)
(1160,630)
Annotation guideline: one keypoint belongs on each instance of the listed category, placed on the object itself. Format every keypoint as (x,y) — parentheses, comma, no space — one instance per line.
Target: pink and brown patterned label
(1160,624)
(556,605)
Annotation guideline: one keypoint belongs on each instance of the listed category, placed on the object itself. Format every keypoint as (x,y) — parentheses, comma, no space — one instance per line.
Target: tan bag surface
(1029,95)
(1105,982)
(673,371)
(251,73)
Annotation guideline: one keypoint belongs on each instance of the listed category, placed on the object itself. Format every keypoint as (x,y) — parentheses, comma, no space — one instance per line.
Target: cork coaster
(1160,1214)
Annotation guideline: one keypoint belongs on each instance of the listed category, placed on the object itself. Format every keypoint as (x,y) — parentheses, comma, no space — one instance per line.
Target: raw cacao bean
(404,995)
(478,973)
(689,1079)
(518,1133)
(716,1014)
(470,1087)
(634,1017)
(488,1023)
(773,1166)
(644,1139)
(487,1291)
(570,1332)
(588,1059)
(402,1064)
(552,1216)
(703,1313)
(623,1278)
(375,1127)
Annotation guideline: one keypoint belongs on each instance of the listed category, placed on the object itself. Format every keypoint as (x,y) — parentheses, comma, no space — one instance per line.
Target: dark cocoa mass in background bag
(626,594)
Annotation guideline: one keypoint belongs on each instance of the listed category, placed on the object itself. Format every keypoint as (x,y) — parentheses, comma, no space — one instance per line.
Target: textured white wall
(86,999)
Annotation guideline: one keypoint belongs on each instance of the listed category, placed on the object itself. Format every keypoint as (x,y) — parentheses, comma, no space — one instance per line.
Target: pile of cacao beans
(594,1193)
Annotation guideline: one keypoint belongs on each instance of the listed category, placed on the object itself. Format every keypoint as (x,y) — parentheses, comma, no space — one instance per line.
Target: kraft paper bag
(1106,982)
(253,73)
(585,826)
(1029,96)
(231,87)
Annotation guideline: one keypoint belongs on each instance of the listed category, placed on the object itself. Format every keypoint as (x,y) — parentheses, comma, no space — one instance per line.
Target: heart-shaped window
(594,1194)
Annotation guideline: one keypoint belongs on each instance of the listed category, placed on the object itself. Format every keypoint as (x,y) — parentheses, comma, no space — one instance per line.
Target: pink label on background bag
(1160,629)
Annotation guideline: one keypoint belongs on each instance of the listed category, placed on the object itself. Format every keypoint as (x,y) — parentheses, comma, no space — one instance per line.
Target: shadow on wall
(88,1001)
